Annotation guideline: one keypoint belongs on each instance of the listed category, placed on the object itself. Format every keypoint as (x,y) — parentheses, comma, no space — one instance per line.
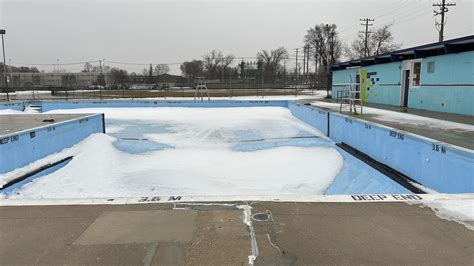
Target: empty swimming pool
(207,152)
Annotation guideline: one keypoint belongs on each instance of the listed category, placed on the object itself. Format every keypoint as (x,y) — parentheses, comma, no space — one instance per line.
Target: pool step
(393,174)
(35,105)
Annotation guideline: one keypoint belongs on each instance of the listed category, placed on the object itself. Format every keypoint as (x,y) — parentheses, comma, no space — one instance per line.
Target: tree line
(323,48)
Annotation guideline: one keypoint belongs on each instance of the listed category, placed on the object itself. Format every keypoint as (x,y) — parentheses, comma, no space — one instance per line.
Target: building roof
(438,48)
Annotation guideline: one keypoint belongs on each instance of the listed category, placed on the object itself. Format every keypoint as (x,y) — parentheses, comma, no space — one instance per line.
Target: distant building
(79,80)
(437,77)
(159,80)
(47,80)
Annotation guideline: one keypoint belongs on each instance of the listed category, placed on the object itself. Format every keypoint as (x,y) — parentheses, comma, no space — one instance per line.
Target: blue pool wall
(21,148)
(436,165)
(50,105)
(312,116)
(20,106)
(9,190)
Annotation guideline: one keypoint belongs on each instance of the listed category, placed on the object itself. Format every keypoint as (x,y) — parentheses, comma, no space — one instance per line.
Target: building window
(416,74)
(431,67)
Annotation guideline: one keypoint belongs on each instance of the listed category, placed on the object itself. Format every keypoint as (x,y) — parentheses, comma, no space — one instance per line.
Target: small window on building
(431,67)
(416,74)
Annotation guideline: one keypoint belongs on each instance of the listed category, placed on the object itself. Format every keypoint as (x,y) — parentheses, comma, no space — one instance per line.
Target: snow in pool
(205,151)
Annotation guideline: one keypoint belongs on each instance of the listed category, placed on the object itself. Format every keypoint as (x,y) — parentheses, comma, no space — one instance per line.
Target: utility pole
(307,59)
(304,62)
(366,32)
(105,75)
(443,8)
(10,68)
(100,73)
(307,64)
(296,68)
(57,72)
(5,78)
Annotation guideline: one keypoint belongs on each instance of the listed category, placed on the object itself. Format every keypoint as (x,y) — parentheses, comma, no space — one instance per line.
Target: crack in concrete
(247,219)
(273,244)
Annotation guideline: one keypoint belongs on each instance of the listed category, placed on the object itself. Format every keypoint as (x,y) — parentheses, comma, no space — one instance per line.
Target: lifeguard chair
(200,87)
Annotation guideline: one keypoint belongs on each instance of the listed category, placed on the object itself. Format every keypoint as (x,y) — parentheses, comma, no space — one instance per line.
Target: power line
(381,13)
(141,64)
(55,64)
(443,8)
(398,13)
(397,21)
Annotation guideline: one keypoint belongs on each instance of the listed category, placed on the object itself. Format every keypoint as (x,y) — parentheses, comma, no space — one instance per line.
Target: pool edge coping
(349,198)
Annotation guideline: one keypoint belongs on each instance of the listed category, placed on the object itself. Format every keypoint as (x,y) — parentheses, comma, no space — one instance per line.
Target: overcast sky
(175,31)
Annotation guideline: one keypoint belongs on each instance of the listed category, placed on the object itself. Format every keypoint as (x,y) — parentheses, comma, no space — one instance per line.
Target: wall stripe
(435,85)
(448,85)
(395,84)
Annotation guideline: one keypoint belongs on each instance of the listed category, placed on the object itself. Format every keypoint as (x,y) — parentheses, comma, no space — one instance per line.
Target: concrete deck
(12,123)
(181,234)
(460,138)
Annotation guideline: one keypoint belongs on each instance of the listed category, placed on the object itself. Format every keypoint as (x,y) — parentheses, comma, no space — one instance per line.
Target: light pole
(2,32)
(57,73)
(105,75)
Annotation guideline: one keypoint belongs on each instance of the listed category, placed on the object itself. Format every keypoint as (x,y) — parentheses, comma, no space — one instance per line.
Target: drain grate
(261,217)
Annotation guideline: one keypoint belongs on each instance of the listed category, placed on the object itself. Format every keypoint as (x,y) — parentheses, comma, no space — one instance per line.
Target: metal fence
(176,92)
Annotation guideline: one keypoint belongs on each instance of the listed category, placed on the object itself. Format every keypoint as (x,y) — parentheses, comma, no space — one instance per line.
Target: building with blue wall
(436,77)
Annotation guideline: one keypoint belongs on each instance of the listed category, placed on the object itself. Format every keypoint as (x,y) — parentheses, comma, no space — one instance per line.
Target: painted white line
(212,199)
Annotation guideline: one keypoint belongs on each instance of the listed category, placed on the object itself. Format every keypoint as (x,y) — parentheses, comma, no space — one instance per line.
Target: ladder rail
(350,94)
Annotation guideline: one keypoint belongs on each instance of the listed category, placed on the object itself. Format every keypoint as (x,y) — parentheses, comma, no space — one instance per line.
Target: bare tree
(325,44)
(87,67)
(119,76)
(161,69)
(271,61)
(226,61)
(215,63)
(379,42)
(326,48)
(192,69)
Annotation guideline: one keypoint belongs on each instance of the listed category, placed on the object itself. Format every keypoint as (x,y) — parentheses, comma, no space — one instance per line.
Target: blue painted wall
(379,83)
(52,105)
(13,106)
(436,165)
(454,69)
(342,76)
(384,86)
(440,91)
(22,149)
(314,117)
(7,191)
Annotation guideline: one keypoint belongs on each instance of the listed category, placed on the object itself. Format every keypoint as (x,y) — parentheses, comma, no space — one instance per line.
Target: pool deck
(12,123)
(207,234)
(458,137)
